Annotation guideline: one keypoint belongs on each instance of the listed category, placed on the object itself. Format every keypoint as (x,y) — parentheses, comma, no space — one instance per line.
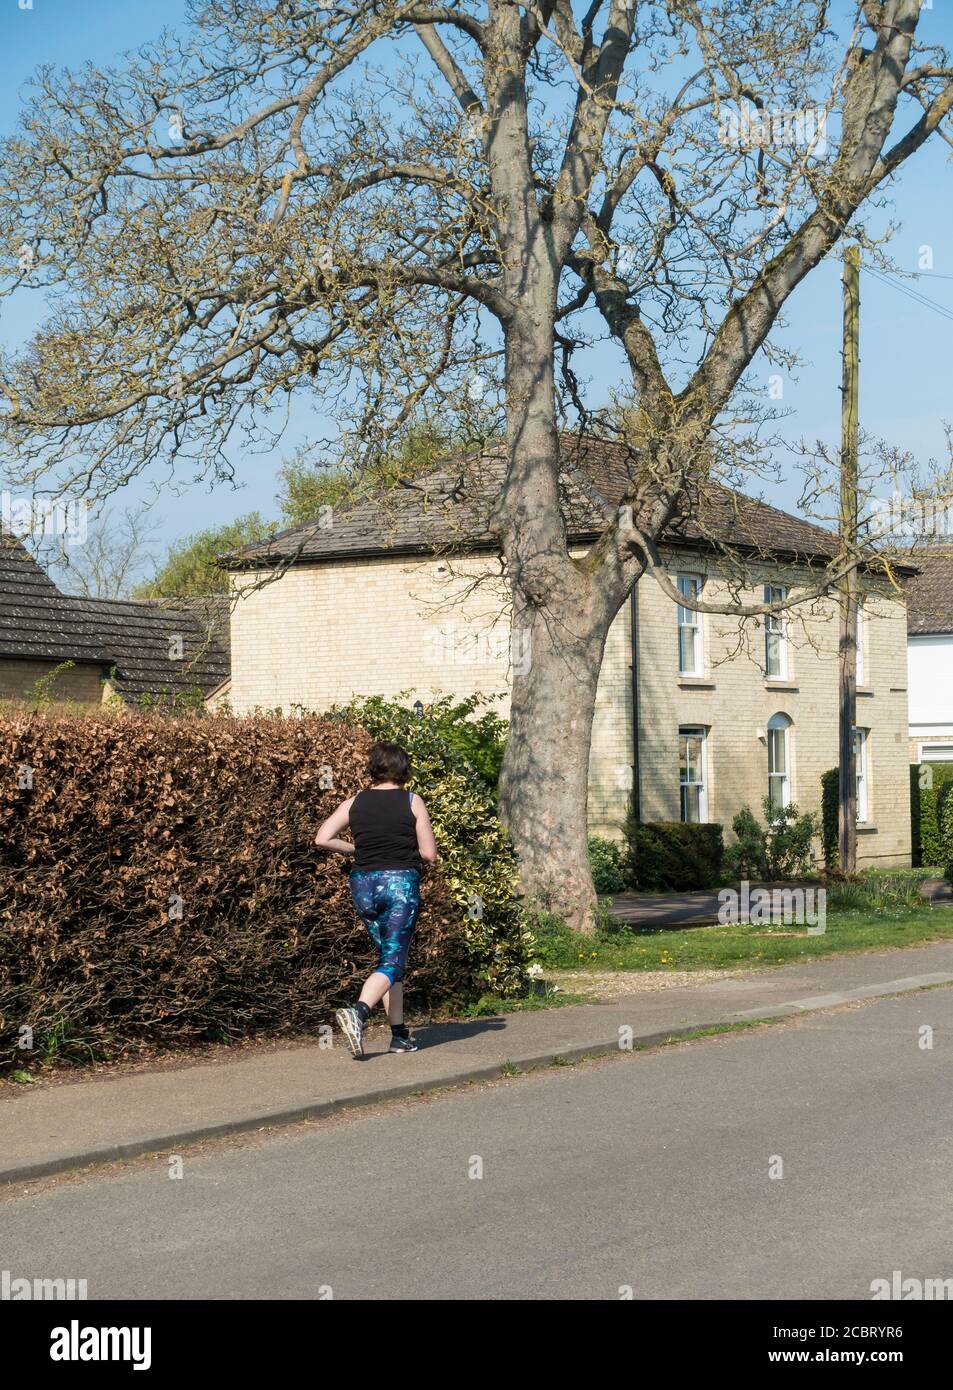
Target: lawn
(876,915)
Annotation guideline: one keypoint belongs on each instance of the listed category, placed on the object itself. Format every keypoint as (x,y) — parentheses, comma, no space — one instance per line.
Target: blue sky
(906,349)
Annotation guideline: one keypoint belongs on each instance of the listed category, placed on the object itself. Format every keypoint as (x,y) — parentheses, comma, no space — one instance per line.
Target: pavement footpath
(52,1128)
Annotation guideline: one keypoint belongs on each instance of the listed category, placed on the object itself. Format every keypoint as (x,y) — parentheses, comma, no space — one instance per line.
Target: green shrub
(673,855)
(748,856)
(916,833)
(607,861)
(780,849)
(929,793)
(480,742)
(477,861)
(830,811)
(790,841)
(947,835)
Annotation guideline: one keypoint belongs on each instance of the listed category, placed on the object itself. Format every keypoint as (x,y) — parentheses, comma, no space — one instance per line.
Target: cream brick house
(697,715)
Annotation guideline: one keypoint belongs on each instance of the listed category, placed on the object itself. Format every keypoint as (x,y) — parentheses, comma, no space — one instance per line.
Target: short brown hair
(388,762)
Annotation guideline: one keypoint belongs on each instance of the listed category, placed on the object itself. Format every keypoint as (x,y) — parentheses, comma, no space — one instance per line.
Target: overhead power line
(923,300)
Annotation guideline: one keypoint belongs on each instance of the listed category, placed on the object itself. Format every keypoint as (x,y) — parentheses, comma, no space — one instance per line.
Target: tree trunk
(559,622)
(557,639)
(545,776)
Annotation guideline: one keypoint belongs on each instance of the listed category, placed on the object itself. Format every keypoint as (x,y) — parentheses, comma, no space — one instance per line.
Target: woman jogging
(392,836)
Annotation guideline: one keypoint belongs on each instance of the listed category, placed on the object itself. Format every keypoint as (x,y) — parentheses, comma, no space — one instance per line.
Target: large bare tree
(377,203)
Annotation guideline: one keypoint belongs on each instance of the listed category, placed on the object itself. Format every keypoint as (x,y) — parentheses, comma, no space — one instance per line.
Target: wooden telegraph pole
(847,805)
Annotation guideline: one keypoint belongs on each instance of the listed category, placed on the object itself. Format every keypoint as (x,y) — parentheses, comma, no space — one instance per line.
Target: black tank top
(384,830)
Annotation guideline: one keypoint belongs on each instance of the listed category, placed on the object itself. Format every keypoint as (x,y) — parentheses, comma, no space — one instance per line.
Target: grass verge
(738,944)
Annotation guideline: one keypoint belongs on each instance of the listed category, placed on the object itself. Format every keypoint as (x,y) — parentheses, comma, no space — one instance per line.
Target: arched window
(779,762)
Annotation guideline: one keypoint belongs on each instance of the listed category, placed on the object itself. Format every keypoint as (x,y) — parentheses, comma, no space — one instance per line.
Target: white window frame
(775,626)
(780,723)
(927,752)
(701,733)
(689,621)
(862,774)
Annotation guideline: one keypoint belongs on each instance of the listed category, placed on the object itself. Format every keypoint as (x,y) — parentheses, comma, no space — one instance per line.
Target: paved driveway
(666,909)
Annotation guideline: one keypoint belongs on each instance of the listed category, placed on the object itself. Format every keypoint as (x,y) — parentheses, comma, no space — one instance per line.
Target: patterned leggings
(387,902)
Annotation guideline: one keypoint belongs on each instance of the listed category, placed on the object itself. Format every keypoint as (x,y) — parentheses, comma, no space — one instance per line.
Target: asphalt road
(649,1172)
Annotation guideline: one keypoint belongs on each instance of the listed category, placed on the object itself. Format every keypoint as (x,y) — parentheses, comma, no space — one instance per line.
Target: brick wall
(323,633)
(419,628)
(80,683)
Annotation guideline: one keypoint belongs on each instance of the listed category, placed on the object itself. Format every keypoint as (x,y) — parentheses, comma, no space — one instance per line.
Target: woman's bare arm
(425,840)
(328,837)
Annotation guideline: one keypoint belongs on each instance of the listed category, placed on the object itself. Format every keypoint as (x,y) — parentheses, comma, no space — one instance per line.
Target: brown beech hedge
(159,886)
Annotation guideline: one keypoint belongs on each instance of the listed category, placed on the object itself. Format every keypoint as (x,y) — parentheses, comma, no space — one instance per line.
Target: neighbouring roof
(930,594)
(450,510)
(37,622)
(134,640)
(141,635)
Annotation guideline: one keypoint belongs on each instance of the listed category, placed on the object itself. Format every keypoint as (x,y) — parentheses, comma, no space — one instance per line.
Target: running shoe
(349,1022)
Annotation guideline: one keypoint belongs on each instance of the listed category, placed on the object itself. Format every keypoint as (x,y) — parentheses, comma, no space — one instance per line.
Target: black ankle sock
(363,1011)
(398,1030)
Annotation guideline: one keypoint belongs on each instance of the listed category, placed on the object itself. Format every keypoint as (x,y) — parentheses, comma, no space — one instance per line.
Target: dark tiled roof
(451,509)
(134,639)
(930,594)
(141,635)
(37,622)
